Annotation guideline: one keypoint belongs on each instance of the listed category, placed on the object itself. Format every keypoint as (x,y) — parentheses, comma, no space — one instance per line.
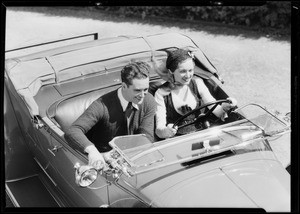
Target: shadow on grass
(209,27)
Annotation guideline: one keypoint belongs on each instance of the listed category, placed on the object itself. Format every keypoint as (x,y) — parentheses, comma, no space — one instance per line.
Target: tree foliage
(273,14)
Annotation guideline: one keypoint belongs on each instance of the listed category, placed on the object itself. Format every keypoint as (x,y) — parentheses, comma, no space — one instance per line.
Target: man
(110,116)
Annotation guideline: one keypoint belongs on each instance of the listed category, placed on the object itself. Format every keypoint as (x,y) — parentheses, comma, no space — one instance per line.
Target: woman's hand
(166,132)
(228,106)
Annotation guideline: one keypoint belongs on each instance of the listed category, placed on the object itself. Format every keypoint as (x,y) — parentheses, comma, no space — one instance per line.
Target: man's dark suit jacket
(104,119)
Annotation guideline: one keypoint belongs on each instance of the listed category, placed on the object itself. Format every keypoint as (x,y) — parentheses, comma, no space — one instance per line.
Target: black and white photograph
(110,106)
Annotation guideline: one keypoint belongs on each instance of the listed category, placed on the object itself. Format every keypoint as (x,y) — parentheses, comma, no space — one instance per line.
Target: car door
(63,158)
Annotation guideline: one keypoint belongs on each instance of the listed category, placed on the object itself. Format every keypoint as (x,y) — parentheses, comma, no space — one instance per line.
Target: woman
(182,93)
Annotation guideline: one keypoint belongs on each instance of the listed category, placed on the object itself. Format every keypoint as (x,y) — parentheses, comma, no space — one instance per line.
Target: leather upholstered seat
(69,110)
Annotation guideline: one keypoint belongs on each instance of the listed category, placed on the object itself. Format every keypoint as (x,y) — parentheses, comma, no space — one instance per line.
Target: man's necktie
(129,115)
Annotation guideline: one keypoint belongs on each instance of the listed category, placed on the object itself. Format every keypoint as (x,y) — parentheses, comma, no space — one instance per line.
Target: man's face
(184,72)
(136,92)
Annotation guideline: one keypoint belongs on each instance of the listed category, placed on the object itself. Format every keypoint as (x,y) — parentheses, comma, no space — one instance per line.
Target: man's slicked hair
(135,70)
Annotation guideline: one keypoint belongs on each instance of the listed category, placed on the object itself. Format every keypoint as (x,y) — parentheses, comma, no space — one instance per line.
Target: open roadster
(223,165)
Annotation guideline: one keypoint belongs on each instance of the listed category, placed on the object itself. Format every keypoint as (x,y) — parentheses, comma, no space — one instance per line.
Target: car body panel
(15,145)
(154,184)
(245,185)
(65,174)
(210,189)
(258,178)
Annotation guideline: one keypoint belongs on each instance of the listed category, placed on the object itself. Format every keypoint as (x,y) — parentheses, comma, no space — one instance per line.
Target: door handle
(54,149)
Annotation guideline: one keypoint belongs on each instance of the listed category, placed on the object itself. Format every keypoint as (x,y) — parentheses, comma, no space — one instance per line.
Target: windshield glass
(263,119)
(132,148)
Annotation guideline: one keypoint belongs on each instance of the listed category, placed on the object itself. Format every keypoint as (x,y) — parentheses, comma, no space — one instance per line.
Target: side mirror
(85,175)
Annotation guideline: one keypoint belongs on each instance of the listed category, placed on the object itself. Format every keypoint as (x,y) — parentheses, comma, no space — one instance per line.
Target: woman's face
(184,72)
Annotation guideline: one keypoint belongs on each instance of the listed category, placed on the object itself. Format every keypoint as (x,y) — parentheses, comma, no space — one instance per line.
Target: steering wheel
(203,117)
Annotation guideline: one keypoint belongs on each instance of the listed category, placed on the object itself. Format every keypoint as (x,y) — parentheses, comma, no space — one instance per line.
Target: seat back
(70,109)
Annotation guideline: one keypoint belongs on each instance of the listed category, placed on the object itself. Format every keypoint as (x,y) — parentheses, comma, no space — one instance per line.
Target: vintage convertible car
(226,164)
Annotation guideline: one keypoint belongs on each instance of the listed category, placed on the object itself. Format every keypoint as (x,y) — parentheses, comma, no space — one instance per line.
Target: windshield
(133,148)
(239,137)
(263,119)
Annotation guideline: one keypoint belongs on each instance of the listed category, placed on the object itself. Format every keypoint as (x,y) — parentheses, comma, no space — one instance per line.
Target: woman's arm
(207,97)
(161,113)
(162,129)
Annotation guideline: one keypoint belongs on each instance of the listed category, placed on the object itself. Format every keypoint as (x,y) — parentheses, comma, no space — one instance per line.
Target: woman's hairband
(190,53)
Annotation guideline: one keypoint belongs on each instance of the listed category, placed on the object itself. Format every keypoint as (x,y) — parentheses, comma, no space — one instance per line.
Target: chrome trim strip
(11,196)
(53,126)
(95,35)
(45,171)
(20,179)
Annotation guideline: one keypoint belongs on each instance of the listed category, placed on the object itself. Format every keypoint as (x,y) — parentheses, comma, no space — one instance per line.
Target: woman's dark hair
(176,57)
(138,70)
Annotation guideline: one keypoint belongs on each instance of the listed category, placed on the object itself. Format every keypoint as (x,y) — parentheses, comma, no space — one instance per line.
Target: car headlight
(85,175)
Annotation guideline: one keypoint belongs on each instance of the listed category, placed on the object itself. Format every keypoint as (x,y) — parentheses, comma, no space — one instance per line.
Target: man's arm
(76,134)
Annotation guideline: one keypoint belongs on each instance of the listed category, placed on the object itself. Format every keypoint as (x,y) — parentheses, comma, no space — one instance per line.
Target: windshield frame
(275,117)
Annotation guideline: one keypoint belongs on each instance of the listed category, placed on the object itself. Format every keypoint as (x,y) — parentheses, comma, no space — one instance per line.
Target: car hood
(252,184)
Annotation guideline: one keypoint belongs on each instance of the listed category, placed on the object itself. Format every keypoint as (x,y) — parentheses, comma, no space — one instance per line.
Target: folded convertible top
(29,73)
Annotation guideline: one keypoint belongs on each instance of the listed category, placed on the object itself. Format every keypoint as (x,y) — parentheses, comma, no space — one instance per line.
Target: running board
(29,192)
